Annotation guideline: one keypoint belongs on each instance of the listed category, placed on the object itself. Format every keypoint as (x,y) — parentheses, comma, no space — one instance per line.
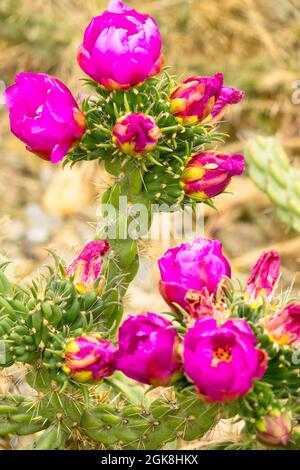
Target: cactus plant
(117,414)
(65,328)
(272,172)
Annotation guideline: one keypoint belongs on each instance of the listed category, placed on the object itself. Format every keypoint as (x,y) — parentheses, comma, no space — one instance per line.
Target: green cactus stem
(272,172)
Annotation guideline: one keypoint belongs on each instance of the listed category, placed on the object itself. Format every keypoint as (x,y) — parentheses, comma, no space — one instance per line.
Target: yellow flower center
(221,355)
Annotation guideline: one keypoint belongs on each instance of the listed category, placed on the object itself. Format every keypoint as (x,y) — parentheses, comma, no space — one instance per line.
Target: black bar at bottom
(135,459)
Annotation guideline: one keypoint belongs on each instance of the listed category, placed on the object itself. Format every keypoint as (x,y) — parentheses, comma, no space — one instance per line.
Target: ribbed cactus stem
(151,427)
(272,172)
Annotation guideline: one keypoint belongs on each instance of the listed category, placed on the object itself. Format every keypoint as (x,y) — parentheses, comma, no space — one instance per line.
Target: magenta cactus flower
(264,276)
(121,48)
(44,115)
(209,173)
(274,429)
(194,100)
(190,269)
(148,350)
(136,134)
(86,268)
(227,97)
(89,358)
(222,361)
(284,326)
(203,98)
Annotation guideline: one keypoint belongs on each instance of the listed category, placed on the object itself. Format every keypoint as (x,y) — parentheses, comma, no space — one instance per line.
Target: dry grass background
(254,43)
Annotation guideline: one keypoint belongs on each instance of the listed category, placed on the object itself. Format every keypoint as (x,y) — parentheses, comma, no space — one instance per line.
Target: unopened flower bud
(208,174)
(89,358)
(86,268)
(136,134)
(275,428)
(284,326)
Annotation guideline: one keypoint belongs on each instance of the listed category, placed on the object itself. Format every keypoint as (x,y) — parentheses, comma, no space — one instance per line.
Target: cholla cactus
(272,172)
(82,402)
(90,375)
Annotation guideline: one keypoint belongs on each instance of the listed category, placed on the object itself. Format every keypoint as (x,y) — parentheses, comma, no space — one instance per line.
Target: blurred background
(254,43)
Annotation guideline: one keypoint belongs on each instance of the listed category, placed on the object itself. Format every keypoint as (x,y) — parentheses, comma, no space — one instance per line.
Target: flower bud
(208,174)
(275,428)
(222,361)
(44,115)
(194,100)
(121,48)
(136,134)
(148,350)
(264,276)
(86,268)
(89,358)
(284,326)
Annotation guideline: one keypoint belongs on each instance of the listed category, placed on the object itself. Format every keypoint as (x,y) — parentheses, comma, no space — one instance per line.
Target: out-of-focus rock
(68,192)
(39,224)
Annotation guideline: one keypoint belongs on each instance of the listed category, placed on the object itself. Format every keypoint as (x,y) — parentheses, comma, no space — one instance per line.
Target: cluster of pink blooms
(218,354)
(122,48)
